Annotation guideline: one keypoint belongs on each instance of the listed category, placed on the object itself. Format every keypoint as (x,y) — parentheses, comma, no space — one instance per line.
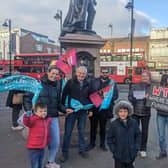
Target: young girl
(38,137)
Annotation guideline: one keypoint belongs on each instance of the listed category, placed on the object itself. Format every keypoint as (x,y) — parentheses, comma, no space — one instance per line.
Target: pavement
(14,154)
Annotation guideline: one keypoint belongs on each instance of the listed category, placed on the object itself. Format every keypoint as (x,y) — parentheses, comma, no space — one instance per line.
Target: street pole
(10,48)
(130,5)
(111,29)
(58,16)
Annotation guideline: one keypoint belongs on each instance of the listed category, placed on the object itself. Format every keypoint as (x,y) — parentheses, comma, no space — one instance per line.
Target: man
(100,116)
(76,89)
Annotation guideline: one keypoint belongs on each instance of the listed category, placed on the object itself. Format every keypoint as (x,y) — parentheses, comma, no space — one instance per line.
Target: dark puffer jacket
(139,105)
(124,140)
(49,95)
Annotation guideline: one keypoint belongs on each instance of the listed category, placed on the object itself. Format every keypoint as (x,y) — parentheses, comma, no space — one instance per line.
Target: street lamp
(58,17)
(111,28)
(129,6)
(7,23)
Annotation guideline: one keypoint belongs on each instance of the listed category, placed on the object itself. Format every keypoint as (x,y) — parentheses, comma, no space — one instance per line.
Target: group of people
(124,137)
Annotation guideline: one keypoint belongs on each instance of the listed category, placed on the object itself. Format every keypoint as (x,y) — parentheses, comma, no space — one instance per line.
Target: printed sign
(23,83)
(158,98)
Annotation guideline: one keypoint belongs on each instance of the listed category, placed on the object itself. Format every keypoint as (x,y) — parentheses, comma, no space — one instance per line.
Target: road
(14,155)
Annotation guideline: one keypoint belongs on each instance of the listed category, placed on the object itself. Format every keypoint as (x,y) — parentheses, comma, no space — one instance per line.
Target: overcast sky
(37,16)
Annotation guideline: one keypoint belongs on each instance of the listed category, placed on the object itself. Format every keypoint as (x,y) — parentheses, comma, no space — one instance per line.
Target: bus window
(112,70)
(138,71)
(125,57)
(1,68)
(118,57)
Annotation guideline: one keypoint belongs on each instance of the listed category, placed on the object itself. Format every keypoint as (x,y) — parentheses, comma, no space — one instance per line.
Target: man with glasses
(100,116)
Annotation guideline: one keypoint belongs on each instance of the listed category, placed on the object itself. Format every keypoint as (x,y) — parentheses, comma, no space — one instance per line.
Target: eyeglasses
(104,72)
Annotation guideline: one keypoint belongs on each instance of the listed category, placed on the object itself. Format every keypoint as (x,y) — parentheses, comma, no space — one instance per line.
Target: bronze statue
(80,16)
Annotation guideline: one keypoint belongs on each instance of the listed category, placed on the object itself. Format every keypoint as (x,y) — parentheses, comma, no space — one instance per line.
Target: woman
(50,95)
(15,109)
(162,121)
(137,96)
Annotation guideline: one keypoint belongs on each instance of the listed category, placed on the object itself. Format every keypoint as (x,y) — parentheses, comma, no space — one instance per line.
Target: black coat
(124,141)
(72,90)
(10,98)
(97,84)
(49,95)
(140,108)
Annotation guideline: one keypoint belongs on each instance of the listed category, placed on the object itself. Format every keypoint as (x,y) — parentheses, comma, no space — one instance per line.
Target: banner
(23,83)
(76,105)
(66,61)
(158,98)
(102,98)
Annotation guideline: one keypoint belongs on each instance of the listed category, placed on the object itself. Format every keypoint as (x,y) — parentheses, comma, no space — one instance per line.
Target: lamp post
(111,29)
(7,23)
(58,17)
(129,6)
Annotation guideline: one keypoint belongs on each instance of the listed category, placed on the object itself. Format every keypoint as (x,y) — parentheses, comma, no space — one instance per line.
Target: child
(38,137)
(124,137)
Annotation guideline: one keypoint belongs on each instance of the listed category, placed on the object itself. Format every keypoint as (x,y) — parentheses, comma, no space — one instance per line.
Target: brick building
(122,44)
(25,41)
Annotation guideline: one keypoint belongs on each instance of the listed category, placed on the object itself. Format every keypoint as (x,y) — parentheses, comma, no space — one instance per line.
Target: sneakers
(84,155)
(17,128)
(52,165)
(143,154)
(161,155)
(90,147)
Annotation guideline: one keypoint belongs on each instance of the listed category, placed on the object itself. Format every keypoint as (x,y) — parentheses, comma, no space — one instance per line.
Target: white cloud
(38,16)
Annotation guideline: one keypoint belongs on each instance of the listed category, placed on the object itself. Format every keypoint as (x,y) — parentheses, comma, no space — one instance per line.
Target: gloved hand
(28,113)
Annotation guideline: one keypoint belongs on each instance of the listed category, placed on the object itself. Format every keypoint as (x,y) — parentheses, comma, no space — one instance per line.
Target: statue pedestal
(87,48)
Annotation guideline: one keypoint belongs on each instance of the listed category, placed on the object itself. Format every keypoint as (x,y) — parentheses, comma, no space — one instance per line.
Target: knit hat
(125,104)
(148,72)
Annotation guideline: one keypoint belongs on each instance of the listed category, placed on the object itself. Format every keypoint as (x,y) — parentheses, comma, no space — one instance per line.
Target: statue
(80,16)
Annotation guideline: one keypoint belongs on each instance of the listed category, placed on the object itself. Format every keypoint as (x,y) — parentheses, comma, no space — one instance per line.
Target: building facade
(158,50)
(25,41)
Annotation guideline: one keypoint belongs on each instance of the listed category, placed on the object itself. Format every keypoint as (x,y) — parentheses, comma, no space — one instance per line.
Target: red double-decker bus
(5,66)
(34,65)
(119,65)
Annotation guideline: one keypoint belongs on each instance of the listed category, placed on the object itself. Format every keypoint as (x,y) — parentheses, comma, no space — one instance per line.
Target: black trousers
(119,164)
(98,119)
(15,114)
(144,120)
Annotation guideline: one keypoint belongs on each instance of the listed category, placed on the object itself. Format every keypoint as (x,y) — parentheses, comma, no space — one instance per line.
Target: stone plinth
(85,44)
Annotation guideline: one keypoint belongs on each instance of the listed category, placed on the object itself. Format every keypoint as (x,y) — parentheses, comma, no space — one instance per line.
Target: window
(125,58)
(138,71)
(118,57)
(1,68)
(39,47)
(112,70)
(55,50)
(31,69)
(49,50)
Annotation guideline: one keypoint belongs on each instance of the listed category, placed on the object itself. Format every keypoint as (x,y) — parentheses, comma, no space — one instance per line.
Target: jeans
(69,125)
(119,164)
(162,121)
(37,157)
(145,126)
(54,139)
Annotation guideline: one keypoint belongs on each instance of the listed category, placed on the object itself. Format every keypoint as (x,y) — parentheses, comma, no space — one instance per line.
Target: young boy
(38,137)
(124,137)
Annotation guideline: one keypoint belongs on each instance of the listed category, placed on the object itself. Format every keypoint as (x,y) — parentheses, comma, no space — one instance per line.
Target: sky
(38,16)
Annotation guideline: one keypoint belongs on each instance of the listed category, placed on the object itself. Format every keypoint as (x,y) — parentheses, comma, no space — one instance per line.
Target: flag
(102,98)
(66,61)
(23,83)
